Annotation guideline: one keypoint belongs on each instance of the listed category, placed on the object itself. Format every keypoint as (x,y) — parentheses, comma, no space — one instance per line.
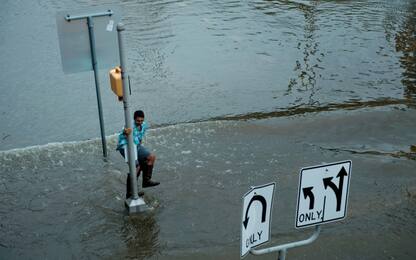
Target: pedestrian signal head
(116,82)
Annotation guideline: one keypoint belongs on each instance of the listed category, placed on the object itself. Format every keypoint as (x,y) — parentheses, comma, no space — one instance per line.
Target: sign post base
(136,205)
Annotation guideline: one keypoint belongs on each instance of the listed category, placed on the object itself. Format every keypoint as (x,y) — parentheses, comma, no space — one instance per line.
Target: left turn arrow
(307,192)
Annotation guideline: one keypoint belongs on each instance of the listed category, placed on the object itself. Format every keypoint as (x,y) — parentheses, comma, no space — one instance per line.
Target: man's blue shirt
(138,136)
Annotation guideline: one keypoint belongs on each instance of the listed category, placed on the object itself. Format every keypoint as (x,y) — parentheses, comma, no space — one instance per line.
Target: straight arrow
(337,190)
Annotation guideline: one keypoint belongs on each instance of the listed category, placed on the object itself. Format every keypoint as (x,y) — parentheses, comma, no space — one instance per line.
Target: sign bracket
(77,17)
(282,249)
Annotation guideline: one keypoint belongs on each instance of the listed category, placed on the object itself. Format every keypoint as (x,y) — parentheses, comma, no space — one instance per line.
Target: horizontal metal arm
(288,245)
(77,17)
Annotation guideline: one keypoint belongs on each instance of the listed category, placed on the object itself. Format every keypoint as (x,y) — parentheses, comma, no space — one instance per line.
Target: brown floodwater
(64,200)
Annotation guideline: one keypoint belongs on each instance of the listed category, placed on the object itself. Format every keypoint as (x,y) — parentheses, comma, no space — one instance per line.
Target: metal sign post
(97,82)
(282,249)
(77,48)
(134,204)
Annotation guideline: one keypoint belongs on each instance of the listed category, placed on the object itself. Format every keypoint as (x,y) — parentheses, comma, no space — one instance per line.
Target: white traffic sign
(323,193)
(256,217)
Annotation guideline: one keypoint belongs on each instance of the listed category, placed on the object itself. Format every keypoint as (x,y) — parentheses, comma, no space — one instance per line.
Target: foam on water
(59,153)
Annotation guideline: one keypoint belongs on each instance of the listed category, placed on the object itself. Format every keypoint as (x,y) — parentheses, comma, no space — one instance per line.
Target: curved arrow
(264,208)
(307,192)
(337,190)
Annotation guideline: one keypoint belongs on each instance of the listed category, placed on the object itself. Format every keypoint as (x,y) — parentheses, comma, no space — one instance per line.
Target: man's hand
(127,131)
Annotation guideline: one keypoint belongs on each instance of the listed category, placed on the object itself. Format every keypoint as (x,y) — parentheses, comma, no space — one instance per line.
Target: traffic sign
(256,217)
(323,193)
(74,39)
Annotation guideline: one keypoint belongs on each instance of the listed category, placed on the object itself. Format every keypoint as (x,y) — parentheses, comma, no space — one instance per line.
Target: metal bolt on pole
(135,204)
(282,249)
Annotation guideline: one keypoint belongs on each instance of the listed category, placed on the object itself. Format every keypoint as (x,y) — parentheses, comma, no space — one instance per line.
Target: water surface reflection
(199,60)
(140,233)
(406,44)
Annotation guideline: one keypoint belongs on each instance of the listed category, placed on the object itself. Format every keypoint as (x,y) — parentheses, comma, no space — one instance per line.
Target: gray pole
(127,115)
(282,254)
(282,249)
(97,82)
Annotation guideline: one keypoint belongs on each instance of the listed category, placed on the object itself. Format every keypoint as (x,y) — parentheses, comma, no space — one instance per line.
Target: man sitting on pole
(145,159)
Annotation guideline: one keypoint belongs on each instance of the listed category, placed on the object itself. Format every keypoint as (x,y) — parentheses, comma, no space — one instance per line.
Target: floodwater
(239,93)
(198,60)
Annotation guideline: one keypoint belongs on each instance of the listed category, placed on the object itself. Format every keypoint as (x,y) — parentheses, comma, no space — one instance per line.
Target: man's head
(138,117)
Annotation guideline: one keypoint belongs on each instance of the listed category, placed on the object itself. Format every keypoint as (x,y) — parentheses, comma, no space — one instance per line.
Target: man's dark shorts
(142,153)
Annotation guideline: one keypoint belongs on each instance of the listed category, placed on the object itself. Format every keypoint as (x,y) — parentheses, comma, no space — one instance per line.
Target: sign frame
(267,208)
(341,198)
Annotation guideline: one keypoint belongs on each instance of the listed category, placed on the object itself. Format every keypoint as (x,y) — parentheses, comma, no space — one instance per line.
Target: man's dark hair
(138,113)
